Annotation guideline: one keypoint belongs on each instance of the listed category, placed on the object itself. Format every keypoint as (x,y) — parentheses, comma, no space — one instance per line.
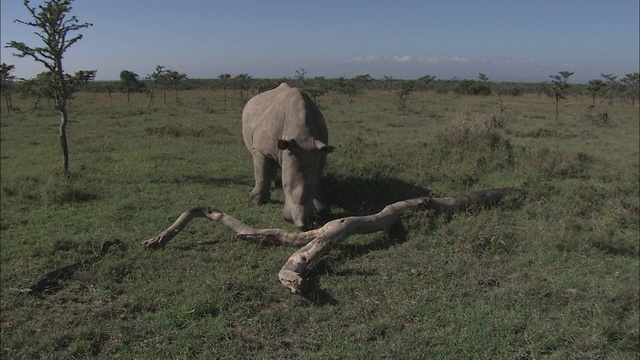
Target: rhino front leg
(264,170)
(318,205)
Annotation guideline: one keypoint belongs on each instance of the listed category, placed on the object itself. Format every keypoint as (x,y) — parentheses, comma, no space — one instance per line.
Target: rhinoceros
(284,128)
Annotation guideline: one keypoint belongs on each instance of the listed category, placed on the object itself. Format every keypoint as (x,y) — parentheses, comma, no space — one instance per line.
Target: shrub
(472,87)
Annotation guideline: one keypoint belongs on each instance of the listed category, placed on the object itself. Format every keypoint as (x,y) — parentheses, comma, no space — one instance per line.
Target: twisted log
(315,243)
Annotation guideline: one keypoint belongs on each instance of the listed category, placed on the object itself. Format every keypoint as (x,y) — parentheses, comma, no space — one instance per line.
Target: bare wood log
(336,231)
(241,229)
(317,242)
(479,199)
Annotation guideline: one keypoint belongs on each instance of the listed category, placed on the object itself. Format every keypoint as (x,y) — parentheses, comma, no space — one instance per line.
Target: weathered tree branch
(242,230)
(317,242)
(338,230)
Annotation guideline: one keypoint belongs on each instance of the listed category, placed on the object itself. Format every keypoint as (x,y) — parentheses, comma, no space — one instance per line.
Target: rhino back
(305,121)
(281,113)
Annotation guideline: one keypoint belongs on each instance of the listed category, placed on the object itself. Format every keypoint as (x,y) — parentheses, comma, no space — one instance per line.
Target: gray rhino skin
(284,128)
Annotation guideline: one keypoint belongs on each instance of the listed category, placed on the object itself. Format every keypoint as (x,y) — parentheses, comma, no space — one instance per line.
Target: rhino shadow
(312,289)
(357,196)
(212,181)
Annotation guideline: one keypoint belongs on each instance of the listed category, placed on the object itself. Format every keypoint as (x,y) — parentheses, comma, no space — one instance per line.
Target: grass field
(556,277)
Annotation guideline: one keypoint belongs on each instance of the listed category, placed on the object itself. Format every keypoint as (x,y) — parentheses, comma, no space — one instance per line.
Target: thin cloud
(360,59)
(406,59)
(402,59)
(459,59)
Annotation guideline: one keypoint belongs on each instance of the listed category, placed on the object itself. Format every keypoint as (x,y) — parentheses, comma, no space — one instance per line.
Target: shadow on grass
(313,291)
(212,181)
(315,294)
(347,196)
(615,249)
(357,196)
(200,245)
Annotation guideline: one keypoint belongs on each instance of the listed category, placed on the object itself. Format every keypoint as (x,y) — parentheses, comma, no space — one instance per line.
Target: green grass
(555,277)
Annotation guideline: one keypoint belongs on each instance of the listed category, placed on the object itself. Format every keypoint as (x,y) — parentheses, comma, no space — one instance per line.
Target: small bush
(472,87)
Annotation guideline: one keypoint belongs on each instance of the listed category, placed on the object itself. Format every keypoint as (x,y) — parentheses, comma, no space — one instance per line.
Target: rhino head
(302,165)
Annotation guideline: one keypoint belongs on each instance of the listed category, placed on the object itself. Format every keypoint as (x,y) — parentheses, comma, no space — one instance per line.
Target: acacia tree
(243,85)
(363,81)
(7,84)
(596,89)
(353,87)
(558,87)
(424,81)
(175,78)
(224,78)
(612,86)
(350,88)
(632,86)
(128,83)
(154,78)
(54,28)
(406,88)
(388,82)
(317,88)
(40,88)
(301,76)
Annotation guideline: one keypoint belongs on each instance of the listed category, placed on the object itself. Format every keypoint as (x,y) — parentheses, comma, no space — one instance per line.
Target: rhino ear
(324,148)
(283,144)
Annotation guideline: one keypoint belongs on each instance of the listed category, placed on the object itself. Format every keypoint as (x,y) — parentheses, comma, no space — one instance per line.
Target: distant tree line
(243,86)
(609,87)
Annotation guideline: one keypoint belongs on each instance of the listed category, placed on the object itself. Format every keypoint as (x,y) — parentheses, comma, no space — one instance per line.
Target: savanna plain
(554,276)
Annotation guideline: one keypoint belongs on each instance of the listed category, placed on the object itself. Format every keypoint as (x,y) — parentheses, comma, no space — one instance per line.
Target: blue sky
(507,40)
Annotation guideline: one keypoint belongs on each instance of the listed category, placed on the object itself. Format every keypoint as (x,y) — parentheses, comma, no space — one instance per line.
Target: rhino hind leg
(264,170)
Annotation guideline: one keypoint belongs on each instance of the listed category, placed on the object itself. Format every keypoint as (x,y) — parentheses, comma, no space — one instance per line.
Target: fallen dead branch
(315,243)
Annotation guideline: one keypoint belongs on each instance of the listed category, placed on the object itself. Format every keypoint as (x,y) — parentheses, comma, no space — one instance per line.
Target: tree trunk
(63,140)
(36,104)
(7,99)
(317,242)
(151,92)
(225,99)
